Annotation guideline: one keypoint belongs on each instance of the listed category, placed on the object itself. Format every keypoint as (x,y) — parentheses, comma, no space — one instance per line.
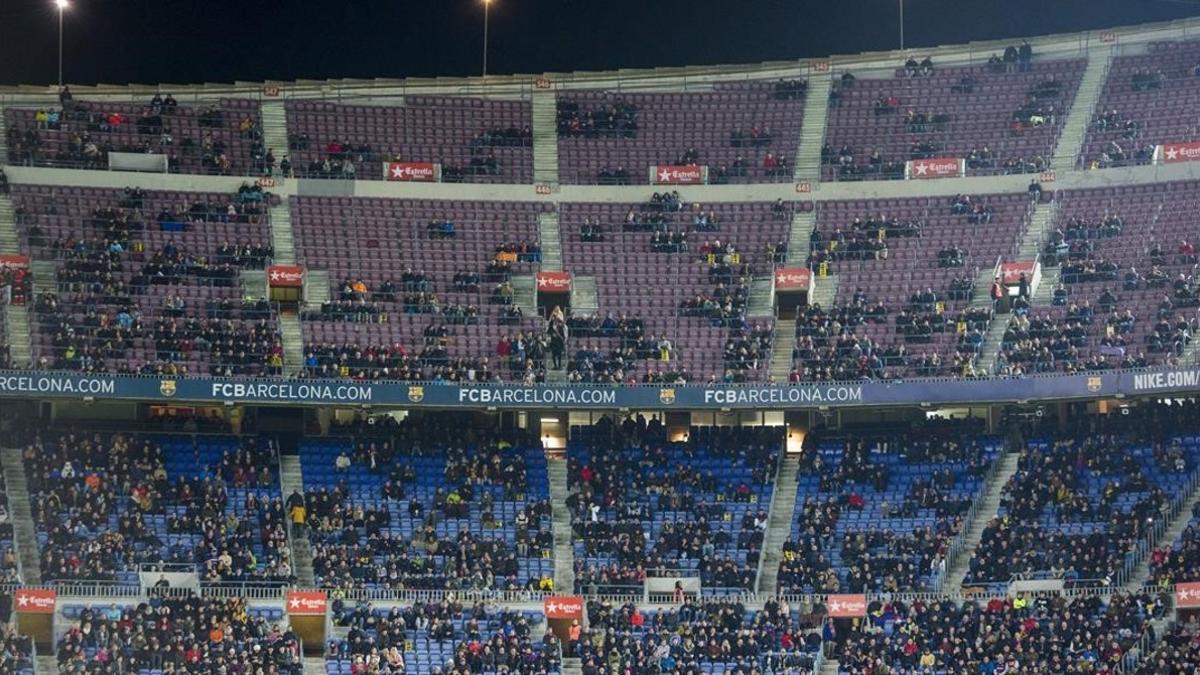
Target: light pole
(487,4)
(901,25)
(62,5)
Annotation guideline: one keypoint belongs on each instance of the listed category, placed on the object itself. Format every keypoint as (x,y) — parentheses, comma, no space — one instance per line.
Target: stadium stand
(437,298)
(1129,297)
(693,265)
(440,504)
(109,505)
(441,637)
(218,138)
(475,140)
(1144,103)
(149,281)
(645,505)
(1000,120)
(878,513)
(744,132)
(177,635)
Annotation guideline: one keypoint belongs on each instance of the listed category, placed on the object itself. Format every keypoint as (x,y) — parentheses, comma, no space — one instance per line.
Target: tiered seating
(1082,503)
(644,505)
(16,652)
(149,281)
(1177,652)
(177,635)
(104,505)
(5,353)
(417,317)
(712,637)
(887,253)
(436,638)
(983,121)
(692,294)
(1023,635)
(475,140)
(878,513)
(665,126)
(1147,100)
(219,137)
(436,504)
(9,572)
(1129,297)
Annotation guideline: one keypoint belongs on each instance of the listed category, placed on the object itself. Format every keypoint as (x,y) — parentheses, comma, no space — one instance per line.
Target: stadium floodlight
(901,25)
(62,6)
(487,5)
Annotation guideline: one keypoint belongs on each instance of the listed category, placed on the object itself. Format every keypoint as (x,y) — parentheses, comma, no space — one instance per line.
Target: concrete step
(779,524)
(282,238)
(564,556)
(550,236)
(781,349)
(1074,127)
(761,303)
(254,283)
(20,340)
(985,511)
(802,227)
(989,352)
(291,479)
(525,293)
(45,277)
(1043,295)
(584,299)
(545,136)
(316,287)
(812,131)
(10,243)
(24,530)
(1041,222)
(293,343)
(824,291)
(275,130)
(1139,573)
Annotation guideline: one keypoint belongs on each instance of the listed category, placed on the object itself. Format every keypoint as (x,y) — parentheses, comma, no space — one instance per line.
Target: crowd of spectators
(615,120)
(178,635)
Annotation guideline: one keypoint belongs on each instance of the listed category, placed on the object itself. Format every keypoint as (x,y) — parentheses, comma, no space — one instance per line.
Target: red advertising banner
(938,167)
(14,262)
(1010,272)
(678,175)
(563,607)
(1173,153)
(306,603)
(554,282)
(412,172)
(847,606)
(1187,595)
(34,600)
(291,276)
(792,278)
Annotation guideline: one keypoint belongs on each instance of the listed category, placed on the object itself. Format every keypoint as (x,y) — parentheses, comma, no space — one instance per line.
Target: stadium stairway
(20,342)
(545,136)
(551,239)
(779,523)
(1043,295)
(10,242)
(985,510)
(823,291)
(1040,223)
(525,293)
(781,350)
(254,283)
(275,132)
(572,666)
(24,531)
(830,667)
(989,351)
(316,287)
(1140,574)
(812,132)
(761,303)
(3,140)
(584,299)
(803,223)
(293,343)
(314,665)
(282,239)
(291,479)
(564,554)
(1074,128)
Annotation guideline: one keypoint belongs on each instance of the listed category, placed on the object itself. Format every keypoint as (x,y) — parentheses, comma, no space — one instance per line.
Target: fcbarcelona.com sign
(35,385)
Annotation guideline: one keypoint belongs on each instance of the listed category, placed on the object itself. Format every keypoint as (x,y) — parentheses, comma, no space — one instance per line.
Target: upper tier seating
(428,638)
(714,637)
(615,131)
(1129,295)
(149,281)
(475,140)
(692,293)
(218,138)
(1083,501)
(1006,122)
(878,514)
(436,504)
(1148,99)
(176,635)
(416,315)
(643,505)
(105,504)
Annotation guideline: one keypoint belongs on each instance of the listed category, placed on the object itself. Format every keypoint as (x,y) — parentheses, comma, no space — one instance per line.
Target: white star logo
(294,603)
(922,168)
(397,171)
(22,600)
(664,175)
(1172,153)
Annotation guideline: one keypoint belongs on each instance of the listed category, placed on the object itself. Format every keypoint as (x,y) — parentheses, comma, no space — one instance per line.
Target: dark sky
(186,41)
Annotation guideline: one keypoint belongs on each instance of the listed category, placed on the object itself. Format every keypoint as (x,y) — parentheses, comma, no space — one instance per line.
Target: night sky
(188,41)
